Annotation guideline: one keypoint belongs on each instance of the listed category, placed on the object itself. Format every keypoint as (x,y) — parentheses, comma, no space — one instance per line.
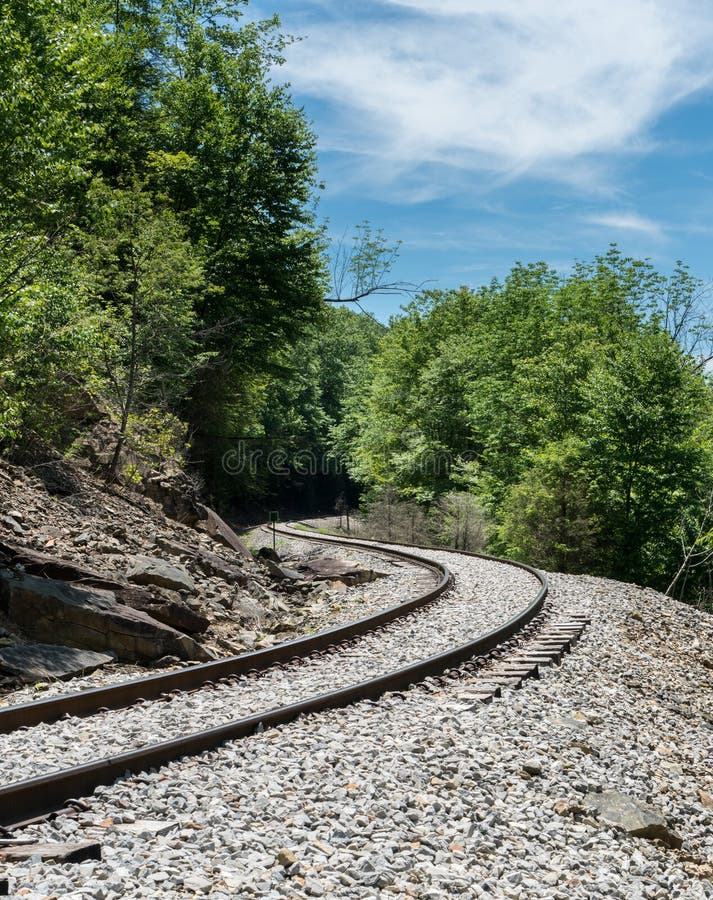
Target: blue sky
(482,132)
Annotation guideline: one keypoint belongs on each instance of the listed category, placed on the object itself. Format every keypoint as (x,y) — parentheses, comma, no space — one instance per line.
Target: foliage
(156,186)
(574,410)
(48,341)
(460,522)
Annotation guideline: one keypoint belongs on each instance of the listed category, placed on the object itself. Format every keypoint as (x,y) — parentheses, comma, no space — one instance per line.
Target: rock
(81,540)
(197,884)
(269,553)
(327,568)
(167,609)
(147,828)
(179,616)
(532,766)
(248,610)
(36,563)
(166,662)
(35,662)
(569,808)
(632,816)
(177,495)
(705,799)
(208,563)
(13,525)
(89,618)
(221,531)
(281,573)
(150,570)
(286,858)
(211,564)
(59,476)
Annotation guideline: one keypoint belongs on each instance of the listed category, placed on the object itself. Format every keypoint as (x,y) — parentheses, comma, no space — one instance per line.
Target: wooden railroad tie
(544,649)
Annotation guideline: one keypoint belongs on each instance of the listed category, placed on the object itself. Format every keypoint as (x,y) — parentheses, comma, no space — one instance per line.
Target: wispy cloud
(627,221)
(497,87)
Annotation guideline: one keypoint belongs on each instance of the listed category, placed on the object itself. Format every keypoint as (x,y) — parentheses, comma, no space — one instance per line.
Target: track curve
(47,792)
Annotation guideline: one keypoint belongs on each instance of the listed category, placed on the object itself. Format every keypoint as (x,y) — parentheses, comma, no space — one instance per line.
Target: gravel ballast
(486,593)
(429,794)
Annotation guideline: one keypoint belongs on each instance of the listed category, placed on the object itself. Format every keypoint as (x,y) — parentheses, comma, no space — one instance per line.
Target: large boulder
(89,618)
(280,573)
(179,616)
(632,816)
(150,570)
(37,662)
(176,493)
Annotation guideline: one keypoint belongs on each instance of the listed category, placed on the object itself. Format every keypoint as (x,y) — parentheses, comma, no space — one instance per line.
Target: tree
(460,522)
(546,516)
(148,276)
(644,455)
(47,342)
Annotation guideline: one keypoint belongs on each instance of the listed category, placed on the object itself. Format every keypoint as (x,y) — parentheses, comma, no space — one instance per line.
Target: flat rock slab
(150,570)
(632,816)
(91,619)
(36,563)
(281,573)
(329,568)
(221,531)
(66,853)
(36,662)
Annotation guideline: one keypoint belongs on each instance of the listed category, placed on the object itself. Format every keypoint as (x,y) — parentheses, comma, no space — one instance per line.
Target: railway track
(431,635)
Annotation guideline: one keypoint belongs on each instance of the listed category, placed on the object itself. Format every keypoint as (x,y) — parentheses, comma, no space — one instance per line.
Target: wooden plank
(78,852)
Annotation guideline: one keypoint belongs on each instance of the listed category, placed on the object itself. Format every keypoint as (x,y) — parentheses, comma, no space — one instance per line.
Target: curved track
(361,669)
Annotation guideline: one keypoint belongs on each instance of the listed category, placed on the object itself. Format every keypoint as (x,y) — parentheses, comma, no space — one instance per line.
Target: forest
(163,268)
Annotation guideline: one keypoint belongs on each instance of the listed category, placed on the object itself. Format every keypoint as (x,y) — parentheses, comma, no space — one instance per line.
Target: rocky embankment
(92,577)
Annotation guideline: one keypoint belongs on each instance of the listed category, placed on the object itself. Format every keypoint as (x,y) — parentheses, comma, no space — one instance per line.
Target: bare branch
(362,269)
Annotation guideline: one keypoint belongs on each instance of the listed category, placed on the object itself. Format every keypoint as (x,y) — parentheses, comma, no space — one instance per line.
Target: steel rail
(153,687)
(44,794)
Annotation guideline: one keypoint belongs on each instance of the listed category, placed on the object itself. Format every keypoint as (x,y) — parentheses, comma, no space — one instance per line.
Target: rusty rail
(152,687)
(39,796)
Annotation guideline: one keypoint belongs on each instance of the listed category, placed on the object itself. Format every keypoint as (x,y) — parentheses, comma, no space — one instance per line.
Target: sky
(484,132)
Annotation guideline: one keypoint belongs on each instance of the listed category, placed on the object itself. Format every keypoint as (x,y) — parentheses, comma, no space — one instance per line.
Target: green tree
(546,517)
(148,276)
(645,458)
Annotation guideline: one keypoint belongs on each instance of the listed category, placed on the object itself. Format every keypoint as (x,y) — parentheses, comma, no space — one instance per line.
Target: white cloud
(626,221)
(503,87)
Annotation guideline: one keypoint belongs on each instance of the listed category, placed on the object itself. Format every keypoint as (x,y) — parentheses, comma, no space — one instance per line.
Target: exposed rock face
(89,618)
(35,662)
(632,816)
(150,570)
(176,494)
